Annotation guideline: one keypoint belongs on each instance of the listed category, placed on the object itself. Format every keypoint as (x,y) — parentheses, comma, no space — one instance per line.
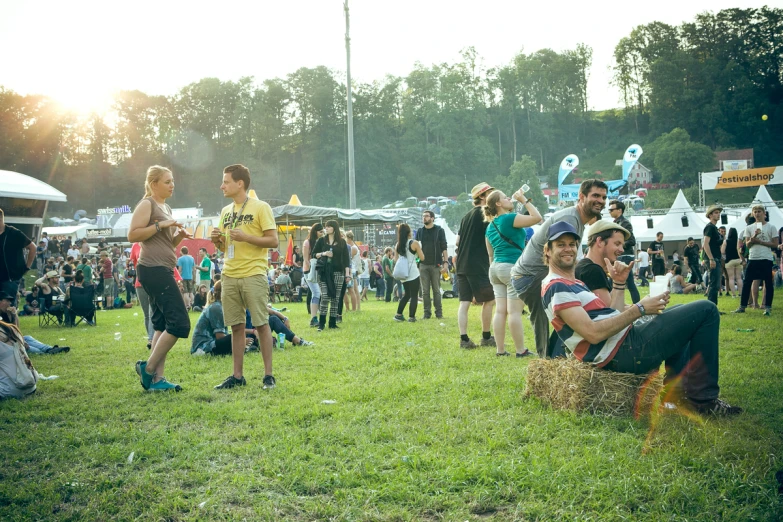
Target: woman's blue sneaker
(146,378)
(164,385)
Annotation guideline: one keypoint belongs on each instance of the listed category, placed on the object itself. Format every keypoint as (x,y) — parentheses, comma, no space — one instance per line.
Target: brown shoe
(468,345)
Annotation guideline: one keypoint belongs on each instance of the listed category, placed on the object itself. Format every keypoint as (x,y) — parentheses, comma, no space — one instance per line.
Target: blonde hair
(154,173)
(491,208)
(215,294)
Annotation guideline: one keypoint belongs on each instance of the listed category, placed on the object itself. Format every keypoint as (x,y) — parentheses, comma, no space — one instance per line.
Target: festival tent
(763,198)
(25,200)
(74,231)
(307,215)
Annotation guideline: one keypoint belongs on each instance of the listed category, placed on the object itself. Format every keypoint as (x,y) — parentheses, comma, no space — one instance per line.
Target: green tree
(677,159)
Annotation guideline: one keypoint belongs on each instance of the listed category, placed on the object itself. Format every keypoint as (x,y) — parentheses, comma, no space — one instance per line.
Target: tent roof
(762,197)
(307,215)
(671,224)
(21,186)
(66,230)
(295,200)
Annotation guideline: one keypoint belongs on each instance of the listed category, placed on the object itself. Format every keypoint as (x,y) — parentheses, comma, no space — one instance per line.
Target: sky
(80,52)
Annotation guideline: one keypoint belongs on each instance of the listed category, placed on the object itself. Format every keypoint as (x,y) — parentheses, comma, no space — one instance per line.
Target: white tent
(16,185)
(671,224)
(451,237)
(763,198)
(76,231)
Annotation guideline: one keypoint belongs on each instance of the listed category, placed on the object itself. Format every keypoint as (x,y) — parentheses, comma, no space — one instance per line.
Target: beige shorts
(251,293)
(188,286)
(500,277)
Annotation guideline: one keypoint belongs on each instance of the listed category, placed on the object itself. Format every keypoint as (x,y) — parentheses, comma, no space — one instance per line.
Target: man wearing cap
(473,269)
(13,264)
(711,243)
(530,269)
(50,291)
(605,245)
(617,211)
(685,337)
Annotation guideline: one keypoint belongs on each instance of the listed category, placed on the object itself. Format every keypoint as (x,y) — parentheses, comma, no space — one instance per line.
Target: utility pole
(351,167)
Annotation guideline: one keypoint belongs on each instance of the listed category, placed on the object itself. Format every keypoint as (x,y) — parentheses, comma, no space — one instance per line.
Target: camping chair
(82,306)
(46,318)
(283,291)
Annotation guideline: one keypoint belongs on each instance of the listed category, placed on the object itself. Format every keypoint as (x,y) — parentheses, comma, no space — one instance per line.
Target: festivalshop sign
(729,179)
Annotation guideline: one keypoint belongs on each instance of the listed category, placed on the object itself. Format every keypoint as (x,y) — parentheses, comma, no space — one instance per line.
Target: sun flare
(83,101)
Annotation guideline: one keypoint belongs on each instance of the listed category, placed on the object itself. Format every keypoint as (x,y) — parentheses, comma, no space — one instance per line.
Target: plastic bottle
(281,341)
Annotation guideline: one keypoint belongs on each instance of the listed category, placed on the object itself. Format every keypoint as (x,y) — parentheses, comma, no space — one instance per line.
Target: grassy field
(420,430)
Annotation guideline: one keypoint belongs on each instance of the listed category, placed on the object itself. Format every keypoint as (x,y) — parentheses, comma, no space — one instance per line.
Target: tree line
(687,91)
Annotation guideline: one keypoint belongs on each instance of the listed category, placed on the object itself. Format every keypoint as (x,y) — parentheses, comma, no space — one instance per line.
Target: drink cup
(657,288)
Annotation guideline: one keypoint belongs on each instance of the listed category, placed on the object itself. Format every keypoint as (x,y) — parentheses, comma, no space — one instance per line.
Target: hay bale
(569,384)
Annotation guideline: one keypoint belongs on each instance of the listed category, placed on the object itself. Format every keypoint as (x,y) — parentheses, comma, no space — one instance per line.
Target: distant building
(738,159)
(639,175)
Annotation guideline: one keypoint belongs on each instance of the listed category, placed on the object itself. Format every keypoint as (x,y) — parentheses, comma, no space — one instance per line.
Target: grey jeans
(430,278)
(529,290)
(144,303)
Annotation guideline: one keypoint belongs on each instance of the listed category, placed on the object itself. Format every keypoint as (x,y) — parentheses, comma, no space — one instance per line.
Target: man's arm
(30,255)
(596,331)
(705,243)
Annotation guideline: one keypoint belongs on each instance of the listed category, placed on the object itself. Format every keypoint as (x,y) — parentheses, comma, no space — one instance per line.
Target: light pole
(351,168)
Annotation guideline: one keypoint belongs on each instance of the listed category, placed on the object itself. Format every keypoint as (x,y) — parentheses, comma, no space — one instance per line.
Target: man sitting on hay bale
(684,336)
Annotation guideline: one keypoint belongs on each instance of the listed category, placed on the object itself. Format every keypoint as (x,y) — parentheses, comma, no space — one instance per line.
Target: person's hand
(712,263)
(184,234)
(169,223)
(238,236)
(287,322)
(328,253)
(11,310)
(655,304)
(618,271)
(248,341)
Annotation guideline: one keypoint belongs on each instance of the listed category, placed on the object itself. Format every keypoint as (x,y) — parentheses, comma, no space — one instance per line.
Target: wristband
(641,308)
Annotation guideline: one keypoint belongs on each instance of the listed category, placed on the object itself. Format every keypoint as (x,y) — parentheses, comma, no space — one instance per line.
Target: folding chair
(82,306)
(283,292)
(47,319)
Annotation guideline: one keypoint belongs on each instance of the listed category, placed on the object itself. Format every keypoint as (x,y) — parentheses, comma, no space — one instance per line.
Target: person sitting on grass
(678,283)
(280,324)
(31,305)
(209,336)
(200,299)
(8,314)
(685,337)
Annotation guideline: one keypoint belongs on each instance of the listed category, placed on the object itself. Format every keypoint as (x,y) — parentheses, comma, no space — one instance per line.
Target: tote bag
(402,269)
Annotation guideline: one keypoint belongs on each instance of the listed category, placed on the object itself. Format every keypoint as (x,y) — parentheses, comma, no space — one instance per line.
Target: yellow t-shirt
(248,260)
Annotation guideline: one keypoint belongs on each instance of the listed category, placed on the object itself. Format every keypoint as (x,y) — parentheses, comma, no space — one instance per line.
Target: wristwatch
(641,309)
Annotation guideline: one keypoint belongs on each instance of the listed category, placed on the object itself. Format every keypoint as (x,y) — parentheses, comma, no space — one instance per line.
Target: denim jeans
(430,279)
(686,338)
(278,326)
(380,288)
(630,282)
(715,277)
(695,272)
(315,292)
(529,290)
(35,346)
(389,288)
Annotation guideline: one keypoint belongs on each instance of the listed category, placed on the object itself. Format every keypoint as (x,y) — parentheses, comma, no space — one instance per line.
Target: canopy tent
(76,231)
(21,186)
(307,215)
(672,227)
(24,200)
(762,198)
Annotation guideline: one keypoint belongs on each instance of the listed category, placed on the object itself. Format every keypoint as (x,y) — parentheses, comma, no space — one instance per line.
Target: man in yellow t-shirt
(246,232)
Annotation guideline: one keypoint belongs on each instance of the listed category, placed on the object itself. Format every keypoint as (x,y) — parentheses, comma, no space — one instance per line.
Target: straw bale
(569,384)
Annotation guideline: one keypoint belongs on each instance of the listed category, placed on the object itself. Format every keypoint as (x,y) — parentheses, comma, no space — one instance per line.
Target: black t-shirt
(67,273)
(711,231)
(12,261)
(472,256)
(433,243)
(592,275)
(692,254)
(656,245)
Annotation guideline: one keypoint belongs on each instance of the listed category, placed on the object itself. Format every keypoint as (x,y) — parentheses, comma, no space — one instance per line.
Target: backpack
(22,377)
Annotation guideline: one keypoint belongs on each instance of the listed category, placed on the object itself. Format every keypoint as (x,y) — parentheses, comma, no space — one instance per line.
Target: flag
(568,164)
(289,254)
(630,158)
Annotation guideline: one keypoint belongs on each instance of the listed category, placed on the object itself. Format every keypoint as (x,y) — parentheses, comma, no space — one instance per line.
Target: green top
(204,275)
(387,262)
(87,271)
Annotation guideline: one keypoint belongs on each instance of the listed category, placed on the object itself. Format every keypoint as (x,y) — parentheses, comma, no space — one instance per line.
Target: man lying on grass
(685,337)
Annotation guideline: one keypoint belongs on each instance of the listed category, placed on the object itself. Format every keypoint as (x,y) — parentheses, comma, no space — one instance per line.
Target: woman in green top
(505,238)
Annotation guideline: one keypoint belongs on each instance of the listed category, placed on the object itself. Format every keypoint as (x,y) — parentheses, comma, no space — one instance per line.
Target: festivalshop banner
(729,179)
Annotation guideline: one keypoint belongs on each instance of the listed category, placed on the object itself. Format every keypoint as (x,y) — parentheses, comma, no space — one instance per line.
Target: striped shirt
(558,294)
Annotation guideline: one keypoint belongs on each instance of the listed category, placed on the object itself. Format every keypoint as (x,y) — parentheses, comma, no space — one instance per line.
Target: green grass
(421,431)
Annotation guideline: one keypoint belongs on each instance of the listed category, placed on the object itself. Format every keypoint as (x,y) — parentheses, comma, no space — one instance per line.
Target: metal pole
(351,168)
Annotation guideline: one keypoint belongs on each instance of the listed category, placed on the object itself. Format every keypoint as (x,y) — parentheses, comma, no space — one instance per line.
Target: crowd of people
(500,265)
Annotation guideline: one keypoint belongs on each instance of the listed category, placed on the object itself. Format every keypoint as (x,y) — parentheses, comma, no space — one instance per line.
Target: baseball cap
(479,189)
(561,227)
(5,296)
(603,224)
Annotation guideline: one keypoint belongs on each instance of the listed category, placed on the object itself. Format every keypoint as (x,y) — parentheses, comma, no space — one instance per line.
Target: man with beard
(433,242)
(684,336)
(605,245)
(530,269)
(617,211)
